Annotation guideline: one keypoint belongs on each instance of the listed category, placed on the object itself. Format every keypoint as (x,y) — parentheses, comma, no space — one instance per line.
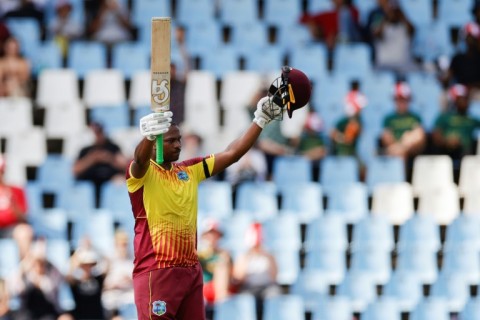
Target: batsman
(167,275)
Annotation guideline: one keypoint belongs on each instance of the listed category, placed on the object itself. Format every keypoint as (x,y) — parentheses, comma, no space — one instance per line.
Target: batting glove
(266,112)
(155,124)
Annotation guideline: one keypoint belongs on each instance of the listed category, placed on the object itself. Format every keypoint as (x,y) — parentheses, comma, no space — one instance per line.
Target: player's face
(172,144)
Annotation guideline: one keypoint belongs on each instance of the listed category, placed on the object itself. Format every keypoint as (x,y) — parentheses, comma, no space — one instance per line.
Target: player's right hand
(155,124)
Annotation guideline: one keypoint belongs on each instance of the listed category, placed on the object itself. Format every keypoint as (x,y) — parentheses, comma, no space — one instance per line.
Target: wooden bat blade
(160,64)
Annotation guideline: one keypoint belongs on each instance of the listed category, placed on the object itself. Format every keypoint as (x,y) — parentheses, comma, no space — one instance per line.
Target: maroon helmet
(291,90)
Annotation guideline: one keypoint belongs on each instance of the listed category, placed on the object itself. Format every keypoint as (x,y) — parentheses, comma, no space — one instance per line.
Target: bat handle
(160,149)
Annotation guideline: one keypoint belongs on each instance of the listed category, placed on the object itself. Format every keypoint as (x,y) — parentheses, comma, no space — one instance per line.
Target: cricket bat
(160,71)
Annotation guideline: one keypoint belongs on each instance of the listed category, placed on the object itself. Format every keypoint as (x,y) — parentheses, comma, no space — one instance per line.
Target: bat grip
(160,149)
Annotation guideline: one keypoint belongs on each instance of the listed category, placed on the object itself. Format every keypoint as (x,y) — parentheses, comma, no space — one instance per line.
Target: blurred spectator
(338,25)
(311,143)
(37,286)
(454,130)
(391,34)
(86,280)
(118,286)
(27,9)
(403,135)
(5,312)
(64,28)
(100,162)
(255,271)
(251,167)
(111,24)
(216,265)
(465,64)
(15,70)
(347,130)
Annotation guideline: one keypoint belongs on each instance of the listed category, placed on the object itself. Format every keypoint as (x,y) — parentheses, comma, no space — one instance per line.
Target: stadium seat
(215,199)
(431,308)
(290,36)
(195,11)
(311,286)
(10,261)
(65,119)
(374,233)
(28,33)
(337,171)
(317,6)
(112,118)
(367,146)
(57,86)
(34,197)
(85,56)
(145,10)
(225,59)
(349,201)
(201,105)
(235,230)
(130,57)
(73,143)
(289,171)
(260,198)
(238,88)
(405,288)
(55,173)
(115,199)
(50,224)
(113,88)
(426,98)
(326,232)
(352,60)
(431,172)
(330,262)
(452,287)
(275,308)
(421,231)
(393,201)
(265,60)
(432,41)
(471,311)
(465,261)
(382,308)
(373,117)
(305,201)
(373,261)
(236,307)
(384,169)
(58,253)
(203,36)
(333,308)
(288,263)
(28,147)
(455,13)
(127,139)
(364,7)
(469,179)
(282,233)
(360,288)
(139,92)
(442,203)
(48,56)
(312,59)
(280,12)
(419,261)
(15,116)
(378,88)
(463,233)
(77,199)
(238,13)
(16,171)
(249,36)
(128,311)
(419,13)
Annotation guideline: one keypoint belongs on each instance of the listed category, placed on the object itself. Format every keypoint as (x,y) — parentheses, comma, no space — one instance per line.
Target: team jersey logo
(159,307)
(183,176)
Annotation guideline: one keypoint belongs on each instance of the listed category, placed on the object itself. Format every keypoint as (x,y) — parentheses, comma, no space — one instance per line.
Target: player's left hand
(266,112)
(155,124)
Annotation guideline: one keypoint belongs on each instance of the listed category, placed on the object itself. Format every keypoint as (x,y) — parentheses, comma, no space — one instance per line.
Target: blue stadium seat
(28,33)
(128,311)
(312,59)
(382,308)
(284,307)
(145,10)
(420,231)
(260,198)
(86,56)
(281,12)
(50,224)
(282,233)
(465,261)
(337,171)
(471,311)
(234,231)
(10,261)
(237,13)
(34,195)
(420,262)
(384,169)
(250,36)
(48,56)
(288,263)
(373,232)
(112,118)
(330,262)
(194,11)
(455,13)
(333,308)
(432,41)
(289,171)
(326,232)
(360,288)
(304,200)
(114,198)
(290,36)
(418,12)
(58,253)
(203,36)
(349,201)
(352,60)
(215,199)
(55,173)
(405,288)
(311,285)
(77,199)
(372,117)
(265,60)
(373,261)
(454,288)
(367,146)
(431,308)
(364,7)
(98,227)
(316,6)
(130,57)
(236,307)
(378,88)
(463,233)
(225,59)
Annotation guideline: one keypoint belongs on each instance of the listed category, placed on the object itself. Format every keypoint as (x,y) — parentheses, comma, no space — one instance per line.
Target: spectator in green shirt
(347,131)
(454,130)
(403,135)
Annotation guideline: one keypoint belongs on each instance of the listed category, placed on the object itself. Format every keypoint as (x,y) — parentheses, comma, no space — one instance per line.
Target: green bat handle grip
(160,149)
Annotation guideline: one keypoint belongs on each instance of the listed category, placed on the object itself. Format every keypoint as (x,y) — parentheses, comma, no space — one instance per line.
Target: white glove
(155,124)
(266,112)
